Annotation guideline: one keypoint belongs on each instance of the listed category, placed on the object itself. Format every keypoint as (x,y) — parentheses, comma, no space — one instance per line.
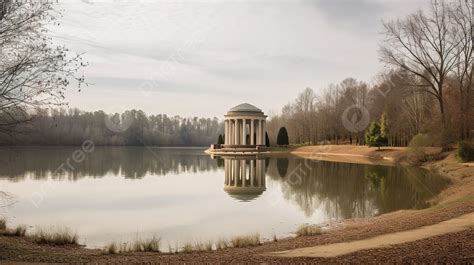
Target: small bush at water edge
(465,152)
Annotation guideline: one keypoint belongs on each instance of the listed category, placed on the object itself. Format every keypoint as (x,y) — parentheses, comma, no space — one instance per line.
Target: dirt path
(333,250)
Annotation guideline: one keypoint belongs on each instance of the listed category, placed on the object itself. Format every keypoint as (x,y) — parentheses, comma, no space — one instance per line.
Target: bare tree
(305,107)
(33,71)
(423,45)
(461,14)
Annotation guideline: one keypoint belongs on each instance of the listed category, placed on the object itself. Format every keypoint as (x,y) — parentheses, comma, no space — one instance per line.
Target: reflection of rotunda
(244,178)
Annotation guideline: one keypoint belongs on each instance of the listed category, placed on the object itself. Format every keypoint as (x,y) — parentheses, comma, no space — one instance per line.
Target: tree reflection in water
(347,190)
(129,162)
(340,190)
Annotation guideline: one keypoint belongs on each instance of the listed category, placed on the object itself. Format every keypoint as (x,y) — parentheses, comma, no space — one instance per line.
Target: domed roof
(245,107)
(244,194)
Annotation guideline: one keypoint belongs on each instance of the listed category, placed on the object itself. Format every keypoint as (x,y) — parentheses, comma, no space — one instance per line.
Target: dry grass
(153,245)
(56,236)
(203,246)
(139,245)
(18,231)
(246,241)
(196,247)
(188,247)
(148,245)
(112,248)
(222,243)
(308,230)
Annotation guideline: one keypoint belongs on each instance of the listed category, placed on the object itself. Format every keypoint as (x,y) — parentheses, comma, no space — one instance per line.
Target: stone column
(244,172)
(226,133)
(256,131)
(231,131)
(226,169)
(252,130)
(239,131)
(236,132)
(235,169)
(244,131)
(259,173)
(259,133)
(252,171)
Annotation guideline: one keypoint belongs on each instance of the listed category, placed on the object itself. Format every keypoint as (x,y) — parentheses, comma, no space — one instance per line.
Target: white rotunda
(244,131)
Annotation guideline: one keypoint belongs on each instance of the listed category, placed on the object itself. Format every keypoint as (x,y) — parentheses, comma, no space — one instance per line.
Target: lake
(109,194)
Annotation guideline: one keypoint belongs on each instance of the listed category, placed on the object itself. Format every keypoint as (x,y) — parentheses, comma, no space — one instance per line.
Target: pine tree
(267,140)
(282,138)
(373,136)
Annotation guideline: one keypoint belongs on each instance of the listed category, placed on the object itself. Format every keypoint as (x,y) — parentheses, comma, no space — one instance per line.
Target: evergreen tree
(373,136)
(220,139)
(282,138)
(384,127)
(267,140)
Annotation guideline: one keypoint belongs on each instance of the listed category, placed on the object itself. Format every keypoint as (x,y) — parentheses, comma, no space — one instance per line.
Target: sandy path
(333,250)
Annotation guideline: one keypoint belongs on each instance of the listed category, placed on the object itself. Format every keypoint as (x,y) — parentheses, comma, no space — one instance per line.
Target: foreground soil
(457,224)
(455,247)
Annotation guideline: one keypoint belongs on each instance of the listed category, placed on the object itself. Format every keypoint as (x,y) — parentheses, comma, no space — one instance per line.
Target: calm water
(182,195)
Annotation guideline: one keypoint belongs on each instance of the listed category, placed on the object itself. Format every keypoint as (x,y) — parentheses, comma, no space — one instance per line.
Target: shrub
(423,140)
(465,152)
(417,148)
(308,230)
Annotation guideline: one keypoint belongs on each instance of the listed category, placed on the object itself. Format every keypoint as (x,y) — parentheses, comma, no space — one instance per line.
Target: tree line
(426,89)
(132,127)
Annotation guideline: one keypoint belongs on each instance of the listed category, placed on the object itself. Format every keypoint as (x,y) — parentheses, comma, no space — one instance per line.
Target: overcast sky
(200,58)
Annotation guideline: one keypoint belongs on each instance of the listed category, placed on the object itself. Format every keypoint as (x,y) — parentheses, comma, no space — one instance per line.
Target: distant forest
(133,128)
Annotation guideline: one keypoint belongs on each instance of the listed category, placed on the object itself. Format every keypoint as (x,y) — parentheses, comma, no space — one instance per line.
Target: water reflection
(345,190)
(338,190)
(244,177)
(129,162)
